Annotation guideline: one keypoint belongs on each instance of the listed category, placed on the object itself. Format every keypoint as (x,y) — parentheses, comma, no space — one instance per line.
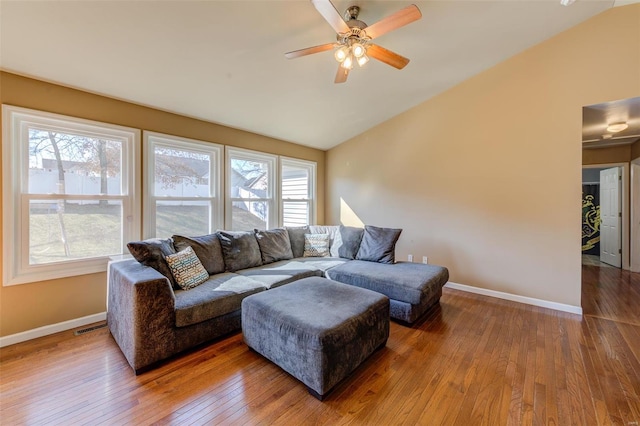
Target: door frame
(635,215)
(626,233)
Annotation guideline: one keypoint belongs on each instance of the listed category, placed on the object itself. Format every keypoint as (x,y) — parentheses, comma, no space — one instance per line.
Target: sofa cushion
(322,263)
(403,281)
(274,245)
(219,295)
(240,250)
(187,269)
(316,245)
(347,242)
(152,253)
(280,273)
(206,247)
(296,238)
(378,244)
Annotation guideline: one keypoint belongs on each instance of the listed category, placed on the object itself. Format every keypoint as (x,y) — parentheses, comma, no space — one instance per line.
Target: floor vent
(89,329)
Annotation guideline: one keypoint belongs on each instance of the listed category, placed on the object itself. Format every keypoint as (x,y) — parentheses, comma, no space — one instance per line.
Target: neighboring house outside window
(184,186)
(251,193)
(68,194)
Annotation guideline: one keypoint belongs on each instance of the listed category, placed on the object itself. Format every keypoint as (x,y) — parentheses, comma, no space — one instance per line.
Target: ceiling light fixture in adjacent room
(617,127)
(567,2)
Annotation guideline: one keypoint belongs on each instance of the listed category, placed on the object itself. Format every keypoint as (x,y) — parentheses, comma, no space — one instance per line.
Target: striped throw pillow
(187,269)
(316,245)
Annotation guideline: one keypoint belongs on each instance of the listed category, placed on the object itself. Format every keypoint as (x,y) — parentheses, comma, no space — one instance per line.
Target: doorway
(591,183)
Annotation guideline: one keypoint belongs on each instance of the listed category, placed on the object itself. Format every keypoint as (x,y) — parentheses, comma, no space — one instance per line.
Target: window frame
(216,195)
(312,200)
(272,182)
(16,196)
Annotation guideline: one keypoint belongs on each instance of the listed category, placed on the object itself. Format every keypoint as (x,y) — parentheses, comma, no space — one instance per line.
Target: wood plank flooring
(473,360)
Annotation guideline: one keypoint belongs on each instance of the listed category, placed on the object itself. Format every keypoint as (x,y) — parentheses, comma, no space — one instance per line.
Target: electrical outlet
(425,259)
(410,258)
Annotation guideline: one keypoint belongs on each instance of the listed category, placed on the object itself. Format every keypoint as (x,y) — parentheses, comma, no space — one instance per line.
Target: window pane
(295,213)
(295,182)
(75,229)
(181,173)
(249,215)
(66,163)
(249,178)
(190,218)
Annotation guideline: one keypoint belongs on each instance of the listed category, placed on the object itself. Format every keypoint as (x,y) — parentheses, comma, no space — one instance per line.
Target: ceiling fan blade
(309,51)
(391,22)
(341,75)
(331,15)
(387,56)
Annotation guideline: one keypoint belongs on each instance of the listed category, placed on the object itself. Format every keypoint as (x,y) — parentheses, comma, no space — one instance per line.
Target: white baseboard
(12,339)
(516,298)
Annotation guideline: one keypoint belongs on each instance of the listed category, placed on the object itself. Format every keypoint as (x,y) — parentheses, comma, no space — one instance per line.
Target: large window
(68,194)
(70,201)
(182,195)
(297,192)
(251,191)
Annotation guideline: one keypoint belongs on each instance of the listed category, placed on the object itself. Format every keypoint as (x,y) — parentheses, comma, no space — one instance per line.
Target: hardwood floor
(611,293)
(474,360)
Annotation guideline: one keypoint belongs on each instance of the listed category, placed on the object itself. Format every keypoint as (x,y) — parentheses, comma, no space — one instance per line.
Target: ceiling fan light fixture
(363,60)
(358,50)
(348,63)
(341,54)
(617,127)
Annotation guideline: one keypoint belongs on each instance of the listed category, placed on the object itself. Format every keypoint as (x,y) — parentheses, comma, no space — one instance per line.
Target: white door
(610,217)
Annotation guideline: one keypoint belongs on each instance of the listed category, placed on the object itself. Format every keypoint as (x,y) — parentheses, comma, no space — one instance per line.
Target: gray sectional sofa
(183,291)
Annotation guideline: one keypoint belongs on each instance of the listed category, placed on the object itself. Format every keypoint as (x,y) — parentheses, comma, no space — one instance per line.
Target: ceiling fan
(354,37)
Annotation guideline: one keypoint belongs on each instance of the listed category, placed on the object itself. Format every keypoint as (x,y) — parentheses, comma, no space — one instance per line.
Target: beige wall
(614,154)
(486,177)
(27,306)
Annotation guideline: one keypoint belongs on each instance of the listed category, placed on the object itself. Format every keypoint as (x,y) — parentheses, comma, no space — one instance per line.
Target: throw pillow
(347,242)
(152,253)
(296,238)
(206,247)
(187,269)
(331,230)
(316,245)
(240,250)
(274,245)
(378,244)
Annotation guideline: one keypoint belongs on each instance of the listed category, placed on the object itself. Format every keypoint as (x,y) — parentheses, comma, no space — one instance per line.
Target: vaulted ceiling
(223,61)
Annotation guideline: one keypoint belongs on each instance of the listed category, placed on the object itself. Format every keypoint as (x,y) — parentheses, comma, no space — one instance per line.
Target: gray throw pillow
(152,253)
(240,250)
(378,244)
(206,247)
(347,242)
(296,238)
(274,245)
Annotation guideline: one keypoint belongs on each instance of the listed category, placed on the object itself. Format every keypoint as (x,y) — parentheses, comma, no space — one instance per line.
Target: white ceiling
(223,61)
(596,118)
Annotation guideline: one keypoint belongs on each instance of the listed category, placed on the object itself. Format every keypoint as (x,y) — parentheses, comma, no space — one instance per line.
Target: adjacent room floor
(472,360)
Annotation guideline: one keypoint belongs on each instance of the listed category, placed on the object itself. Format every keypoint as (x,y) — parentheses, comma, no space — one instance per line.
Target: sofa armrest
(141,312)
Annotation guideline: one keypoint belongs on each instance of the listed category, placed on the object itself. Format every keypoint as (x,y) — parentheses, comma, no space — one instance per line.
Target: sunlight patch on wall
(347,216)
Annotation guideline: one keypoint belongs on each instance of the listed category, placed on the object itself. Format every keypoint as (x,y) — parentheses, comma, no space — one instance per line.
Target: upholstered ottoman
(315,329)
